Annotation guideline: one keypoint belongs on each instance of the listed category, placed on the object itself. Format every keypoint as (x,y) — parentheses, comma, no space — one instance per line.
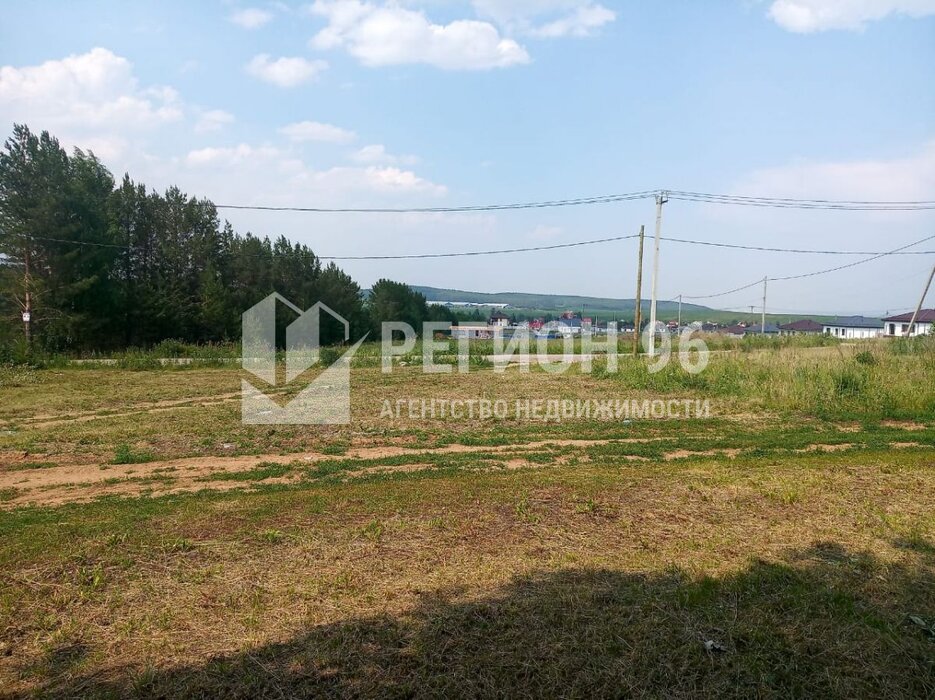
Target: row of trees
(98,265)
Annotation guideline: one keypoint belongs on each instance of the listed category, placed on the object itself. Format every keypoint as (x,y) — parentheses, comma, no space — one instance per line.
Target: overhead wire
(811,274)
(704,197)
(796,203)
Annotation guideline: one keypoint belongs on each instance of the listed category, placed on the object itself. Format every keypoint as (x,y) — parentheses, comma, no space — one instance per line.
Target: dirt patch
(903,425)
(83,482)
(383,469)
(827,448)
(682,454)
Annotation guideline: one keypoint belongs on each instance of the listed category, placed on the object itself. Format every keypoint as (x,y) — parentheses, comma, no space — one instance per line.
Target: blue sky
(346,103)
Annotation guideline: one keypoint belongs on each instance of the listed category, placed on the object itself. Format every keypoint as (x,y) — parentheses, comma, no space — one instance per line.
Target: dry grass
(473,558)
(587,580)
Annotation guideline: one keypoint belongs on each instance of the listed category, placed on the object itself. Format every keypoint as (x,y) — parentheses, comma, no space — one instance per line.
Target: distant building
(804,326)
(741,330)
(498,319)
(733,331)
(853,327)
(472,330)
(756,329)
(899,324)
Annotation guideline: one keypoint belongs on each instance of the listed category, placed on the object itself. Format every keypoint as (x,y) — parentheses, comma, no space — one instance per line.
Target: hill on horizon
(530,304)
(549,302)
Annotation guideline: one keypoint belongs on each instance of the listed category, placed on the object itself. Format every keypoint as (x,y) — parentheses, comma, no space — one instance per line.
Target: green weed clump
(881,380)
(125,454)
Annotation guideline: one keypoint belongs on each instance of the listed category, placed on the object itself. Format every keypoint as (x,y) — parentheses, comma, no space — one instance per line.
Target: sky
(345,103)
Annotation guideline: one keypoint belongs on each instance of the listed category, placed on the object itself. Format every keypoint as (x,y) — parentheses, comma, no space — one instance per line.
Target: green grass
(125,454)
(578,580)
(263,471)
(720,556)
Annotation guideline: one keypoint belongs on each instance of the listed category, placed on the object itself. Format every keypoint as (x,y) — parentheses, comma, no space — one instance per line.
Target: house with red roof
(805,326)
(899,325)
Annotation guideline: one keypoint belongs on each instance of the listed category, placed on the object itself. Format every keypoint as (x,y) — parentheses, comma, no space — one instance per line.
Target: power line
(722,294)
(853,264)
(62,240)
(476,252)
(579,201)
(384,257)
(895,251)
(794,203)
(792,250)
(704,197)
(416,256)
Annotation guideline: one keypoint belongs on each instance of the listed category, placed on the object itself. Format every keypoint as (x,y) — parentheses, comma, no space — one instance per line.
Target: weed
(8,494)
(373,530)
(263,471)
(588,506)
(124,454)
(177,545)
(524,510)
(272,536)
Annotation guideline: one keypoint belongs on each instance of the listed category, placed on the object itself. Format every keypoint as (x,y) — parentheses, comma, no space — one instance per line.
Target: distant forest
(102,266)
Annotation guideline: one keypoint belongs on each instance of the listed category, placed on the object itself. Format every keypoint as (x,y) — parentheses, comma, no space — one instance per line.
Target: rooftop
(804,324)
(925,316)
(854,322)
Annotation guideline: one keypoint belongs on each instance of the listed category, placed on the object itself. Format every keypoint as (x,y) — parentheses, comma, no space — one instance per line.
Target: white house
(472,330)
(854,327)
(899,325)
(499,320)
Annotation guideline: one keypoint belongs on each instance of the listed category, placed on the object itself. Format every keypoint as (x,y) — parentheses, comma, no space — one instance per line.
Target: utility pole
(661,199)
(763,316)
(915,314)
(639,290)
(27,305)
(680,310)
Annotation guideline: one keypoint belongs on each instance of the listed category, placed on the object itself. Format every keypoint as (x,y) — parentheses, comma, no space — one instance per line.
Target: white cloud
(392,35)
(94,90)
(213,120)
(377,154)
(229,156)
(899,179)
(804,16)
(284,72)
(546,19)
(316,131)
(582,22)
(251,17)
(251,164)
(378,179)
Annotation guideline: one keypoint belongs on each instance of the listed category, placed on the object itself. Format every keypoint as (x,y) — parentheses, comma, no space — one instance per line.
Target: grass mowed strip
(792,574)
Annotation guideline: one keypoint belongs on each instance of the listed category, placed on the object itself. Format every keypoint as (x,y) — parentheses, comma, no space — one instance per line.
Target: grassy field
(783,545)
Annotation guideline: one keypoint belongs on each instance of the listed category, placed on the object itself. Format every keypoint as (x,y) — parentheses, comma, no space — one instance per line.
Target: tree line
(98,265)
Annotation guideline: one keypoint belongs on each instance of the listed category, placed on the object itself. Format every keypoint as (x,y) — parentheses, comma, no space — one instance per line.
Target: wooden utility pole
(763,316)
(27,304)
(661,199)
(639,289)
(680,310)
(925,291)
